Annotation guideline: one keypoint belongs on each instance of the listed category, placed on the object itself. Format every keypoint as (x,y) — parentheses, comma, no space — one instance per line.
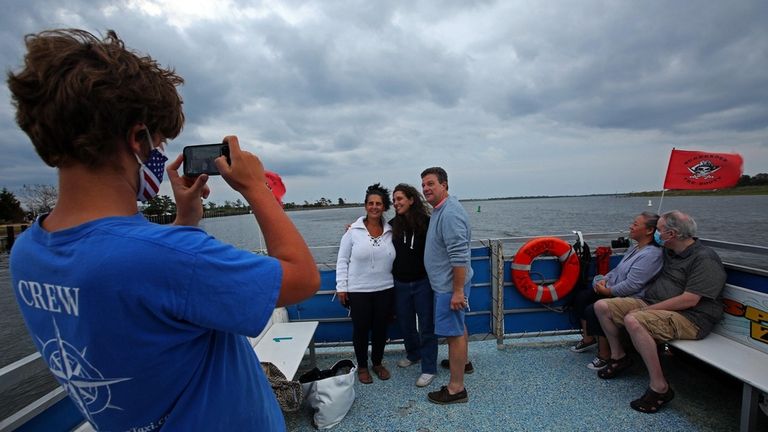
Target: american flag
(150,182)
(153,175)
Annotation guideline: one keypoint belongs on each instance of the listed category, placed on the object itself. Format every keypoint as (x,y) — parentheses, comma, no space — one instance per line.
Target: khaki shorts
(662,325)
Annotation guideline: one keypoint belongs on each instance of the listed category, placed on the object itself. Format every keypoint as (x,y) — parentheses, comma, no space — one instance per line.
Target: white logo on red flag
(702,170)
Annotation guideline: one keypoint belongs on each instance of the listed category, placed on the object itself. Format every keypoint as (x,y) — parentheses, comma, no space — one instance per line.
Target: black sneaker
(468,369)
(442,396)
(582,346)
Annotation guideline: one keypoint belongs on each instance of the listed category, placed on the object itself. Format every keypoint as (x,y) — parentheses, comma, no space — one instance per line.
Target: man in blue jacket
(447,260)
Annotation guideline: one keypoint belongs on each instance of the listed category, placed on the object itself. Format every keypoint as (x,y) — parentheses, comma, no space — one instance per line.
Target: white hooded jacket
(364,263)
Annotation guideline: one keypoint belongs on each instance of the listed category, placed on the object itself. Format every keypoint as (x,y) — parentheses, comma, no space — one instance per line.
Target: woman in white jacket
(364,281)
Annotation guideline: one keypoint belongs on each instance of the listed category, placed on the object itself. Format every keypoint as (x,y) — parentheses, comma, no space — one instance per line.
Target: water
(738,219)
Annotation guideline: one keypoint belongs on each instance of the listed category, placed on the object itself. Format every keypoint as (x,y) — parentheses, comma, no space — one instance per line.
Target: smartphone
(198,159)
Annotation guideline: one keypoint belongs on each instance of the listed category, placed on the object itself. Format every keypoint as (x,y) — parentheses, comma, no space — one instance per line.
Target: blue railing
(497,311)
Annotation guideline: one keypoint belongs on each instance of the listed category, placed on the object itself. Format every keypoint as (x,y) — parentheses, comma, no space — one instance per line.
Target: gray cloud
(653,68)
(514,98)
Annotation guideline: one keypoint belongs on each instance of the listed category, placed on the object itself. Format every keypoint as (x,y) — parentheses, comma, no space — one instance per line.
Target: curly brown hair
(77,97)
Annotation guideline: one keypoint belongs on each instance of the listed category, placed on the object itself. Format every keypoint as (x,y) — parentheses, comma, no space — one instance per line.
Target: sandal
(614,367)
(651,402)
(364,376)
(381,372)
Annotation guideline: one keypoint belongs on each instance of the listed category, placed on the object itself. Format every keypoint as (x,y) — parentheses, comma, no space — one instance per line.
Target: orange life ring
(521,269)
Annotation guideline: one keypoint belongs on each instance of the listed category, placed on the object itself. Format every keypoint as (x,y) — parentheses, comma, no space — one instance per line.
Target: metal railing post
(497,290)
(10,236)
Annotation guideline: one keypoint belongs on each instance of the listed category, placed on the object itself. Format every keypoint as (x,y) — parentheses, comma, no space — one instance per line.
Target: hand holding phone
(188,192)
(198,159)
(245,173)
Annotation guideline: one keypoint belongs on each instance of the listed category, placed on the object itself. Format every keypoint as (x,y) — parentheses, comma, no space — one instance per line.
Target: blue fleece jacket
(447,245)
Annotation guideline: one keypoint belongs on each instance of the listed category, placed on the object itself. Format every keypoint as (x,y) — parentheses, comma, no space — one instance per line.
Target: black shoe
(442,396)
(468,369)
(615,367)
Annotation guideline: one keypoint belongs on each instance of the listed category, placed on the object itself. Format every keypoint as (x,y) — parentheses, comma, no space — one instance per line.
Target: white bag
(330,393)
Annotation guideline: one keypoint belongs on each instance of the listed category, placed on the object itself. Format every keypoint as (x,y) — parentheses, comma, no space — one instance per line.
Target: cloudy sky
(511,97)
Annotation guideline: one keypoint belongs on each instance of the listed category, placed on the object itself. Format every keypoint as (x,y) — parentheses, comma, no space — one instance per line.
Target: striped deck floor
(536,384)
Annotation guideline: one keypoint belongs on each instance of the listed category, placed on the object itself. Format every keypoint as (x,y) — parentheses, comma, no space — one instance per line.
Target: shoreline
(736,191)
(739,190)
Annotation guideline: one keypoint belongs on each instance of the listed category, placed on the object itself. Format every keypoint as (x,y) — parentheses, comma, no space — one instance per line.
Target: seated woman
(364,281)
(641,262)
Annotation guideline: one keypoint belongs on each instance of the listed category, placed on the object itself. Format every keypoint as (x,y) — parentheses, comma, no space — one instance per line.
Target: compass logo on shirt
(85,385)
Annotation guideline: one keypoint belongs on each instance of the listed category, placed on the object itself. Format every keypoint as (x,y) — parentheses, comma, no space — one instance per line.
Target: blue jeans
(414,300)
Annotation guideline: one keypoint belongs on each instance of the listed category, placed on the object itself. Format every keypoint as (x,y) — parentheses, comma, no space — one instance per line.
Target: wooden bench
(738,345)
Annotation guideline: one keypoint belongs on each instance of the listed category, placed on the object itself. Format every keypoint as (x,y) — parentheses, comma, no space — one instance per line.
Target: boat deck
(536,384)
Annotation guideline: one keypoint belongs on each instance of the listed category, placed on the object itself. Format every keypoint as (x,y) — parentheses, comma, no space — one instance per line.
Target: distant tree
(744,180)
(227,205)
(239,203)
(341,201)
(760,179)
(39,198)
(211,205)
(10,207)
(160,205)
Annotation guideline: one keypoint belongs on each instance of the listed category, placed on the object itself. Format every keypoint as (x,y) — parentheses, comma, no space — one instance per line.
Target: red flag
(702,170)
(275,184)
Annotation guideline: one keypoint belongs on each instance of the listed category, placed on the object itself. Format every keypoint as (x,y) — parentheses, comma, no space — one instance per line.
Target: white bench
(738,345)
(284,343)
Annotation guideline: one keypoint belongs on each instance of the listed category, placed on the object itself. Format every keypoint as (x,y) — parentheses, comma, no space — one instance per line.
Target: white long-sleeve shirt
(364,263)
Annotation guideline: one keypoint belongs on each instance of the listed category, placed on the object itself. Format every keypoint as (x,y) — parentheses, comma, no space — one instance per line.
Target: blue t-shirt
(143,324)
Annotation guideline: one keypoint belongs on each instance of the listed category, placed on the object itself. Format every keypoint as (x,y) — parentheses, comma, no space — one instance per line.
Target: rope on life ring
(521,269)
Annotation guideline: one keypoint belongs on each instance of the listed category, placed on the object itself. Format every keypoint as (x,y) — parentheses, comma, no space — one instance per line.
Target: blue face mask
(151,172)
(657,238)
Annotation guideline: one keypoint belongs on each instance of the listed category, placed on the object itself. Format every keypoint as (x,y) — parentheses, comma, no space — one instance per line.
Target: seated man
(682,302)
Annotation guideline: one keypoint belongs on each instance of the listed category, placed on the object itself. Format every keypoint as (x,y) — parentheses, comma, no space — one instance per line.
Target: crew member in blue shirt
(144,325)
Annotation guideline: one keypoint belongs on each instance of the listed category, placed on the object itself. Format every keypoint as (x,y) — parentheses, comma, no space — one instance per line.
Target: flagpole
(663,187)
(661,200)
